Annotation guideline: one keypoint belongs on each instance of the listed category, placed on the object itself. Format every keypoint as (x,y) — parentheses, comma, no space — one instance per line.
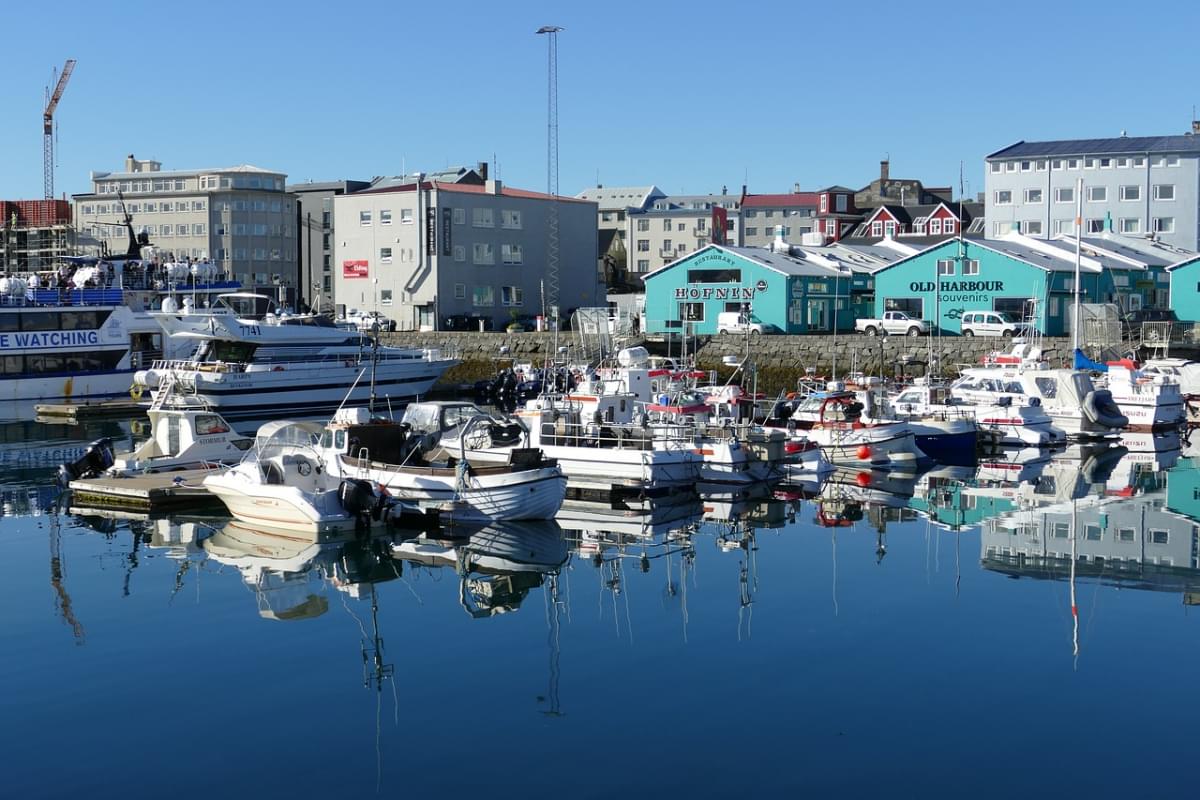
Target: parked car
(893,322)
(736,322)
(994,323)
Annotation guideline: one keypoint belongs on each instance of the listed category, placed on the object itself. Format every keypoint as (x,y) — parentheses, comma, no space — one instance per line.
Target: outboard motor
(360,499)
(97,457)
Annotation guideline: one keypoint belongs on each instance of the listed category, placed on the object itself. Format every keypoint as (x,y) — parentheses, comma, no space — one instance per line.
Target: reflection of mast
(57,575)
(1074,605)
(554,626)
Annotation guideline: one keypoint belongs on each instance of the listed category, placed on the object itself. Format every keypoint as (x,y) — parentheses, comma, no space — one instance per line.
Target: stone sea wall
(780,359)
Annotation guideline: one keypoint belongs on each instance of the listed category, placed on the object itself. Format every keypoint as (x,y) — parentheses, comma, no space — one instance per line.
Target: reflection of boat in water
(276,565)
(497,566)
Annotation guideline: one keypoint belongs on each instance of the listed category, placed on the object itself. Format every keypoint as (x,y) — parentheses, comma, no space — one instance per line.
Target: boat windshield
(431,418)
(247,306)
(229,352)
(277,437)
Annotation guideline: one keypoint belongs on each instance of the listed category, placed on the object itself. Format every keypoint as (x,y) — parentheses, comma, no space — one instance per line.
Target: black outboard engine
(360,499)
(97,457)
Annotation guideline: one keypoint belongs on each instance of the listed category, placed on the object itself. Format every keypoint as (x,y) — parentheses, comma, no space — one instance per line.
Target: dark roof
(908,213)
(794,199)
(1125,144)
(836,188)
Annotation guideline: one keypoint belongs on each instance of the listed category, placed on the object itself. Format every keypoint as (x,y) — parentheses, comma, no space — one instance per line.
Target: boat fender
(135,391)
(864,452)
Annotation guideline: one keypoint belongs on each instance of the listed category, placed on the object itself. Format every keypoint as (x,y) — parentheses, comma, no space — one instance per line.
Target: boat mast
(1078,258)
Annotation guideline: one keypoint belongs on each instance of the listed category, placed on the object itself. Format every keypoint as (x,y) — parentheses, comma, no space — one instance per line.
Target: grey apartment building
(676,225)
(420,251)
(314,223)
(763,214)
(242,217)
(1135,186)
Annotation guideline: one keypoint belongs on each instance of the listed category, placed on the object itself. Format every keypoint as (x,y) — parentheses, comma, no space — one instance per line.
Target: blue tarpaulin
(1083,362)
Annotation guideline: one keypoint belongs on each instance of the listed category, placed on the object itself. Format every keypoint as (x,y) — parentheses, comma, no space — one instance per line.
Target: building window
(385,253)
(1032,227)
(1172,161)
(1026,166)
(260,229)
(948,226)
(691,312)
(510,253)
(1001,228)
(1139,161)
(460,216)
(1125,534)
(971,266)
(824,203)
(364,217)
(181,230)
(1129,193)
(460,291)
(483,297)
(1130,225)
(1097,194)
(1164,191)
(643,245)
(935,226)
(889,229)
(510,219)
(483,253)
(1003,197)
(752,231)
(385,297)
(1072,163)
(1056,164)
(1064,226)
(1033,195)
(512,296)
(1095,226)
(460,253)
(1089,163)
(945,266)
(877,228)
(643,225)
(1010,166)
(1159,536)
(385,216)
(406,216)
(198,229)
(1106,163)
(841,203)
(997,167)
(1164,224)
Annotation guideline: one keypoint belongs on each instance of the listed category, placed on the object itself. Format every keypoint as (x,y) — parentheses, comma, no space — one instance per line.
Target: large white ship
(252,359)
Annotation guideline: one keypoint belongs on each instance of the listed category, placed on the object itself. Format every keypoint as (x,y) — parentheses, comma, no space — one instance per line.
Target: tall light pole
(551,33)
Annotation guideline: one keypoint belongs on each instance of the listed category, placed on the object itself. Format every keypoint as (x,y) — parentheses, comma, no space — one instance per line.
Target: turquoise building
(1033,279)
(801,291)
(1185,289)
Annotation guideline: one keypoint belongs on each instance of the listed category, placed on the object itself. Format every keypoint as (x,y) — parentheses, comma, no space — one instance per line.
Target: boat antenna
(1078,258)
(374,361)
(349,392)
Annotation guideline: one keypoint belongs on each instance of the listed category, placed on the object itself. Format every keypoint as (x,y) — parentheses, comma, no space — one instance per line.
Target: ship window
(44,362)
(10,322)
(209,424)
(339,439)
(222,350)
(42,321)
(80,320)
(1047,386)
(12,365)
(1014,387)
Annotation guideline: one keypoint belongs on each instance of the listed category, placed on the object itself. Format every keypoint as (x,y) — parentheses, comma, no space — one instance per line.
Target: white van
(735,322)
(993,323)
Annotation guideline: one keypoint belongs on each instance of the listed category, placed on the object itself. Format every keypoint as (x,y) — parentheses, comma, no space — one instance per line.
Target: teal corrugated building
(797,292)
(1185,289)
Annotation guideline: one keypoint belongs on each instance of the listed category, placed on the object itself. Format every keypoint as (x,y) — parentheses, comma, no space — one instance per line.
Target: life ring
(135,391)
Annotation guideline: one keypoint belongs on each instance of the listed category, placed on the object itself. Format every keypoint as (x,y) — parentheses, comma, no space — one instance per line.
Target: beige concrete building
(242,218)
(435,255)
(676,225)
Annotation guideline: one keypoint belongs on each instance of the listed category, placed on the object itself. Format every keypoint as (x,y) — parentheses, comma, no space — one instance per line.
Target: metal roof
(617,198)
(1186,143)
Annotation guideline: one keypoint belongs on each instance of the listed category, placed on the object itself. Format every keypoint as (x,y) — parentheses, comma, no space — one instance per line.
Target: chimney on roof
(724,189)
(883,173)
(482,168)
(493,187)
(796,187)
(130,163)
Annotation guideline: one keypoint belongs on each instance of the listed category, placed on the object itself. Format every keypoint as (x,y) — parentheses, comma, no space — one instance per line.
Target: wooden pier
(90,409)
(155,491)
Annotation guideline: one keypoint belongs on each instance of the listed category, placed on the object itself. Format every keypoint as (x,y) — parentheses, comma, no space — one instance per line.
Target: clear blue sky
(690,96)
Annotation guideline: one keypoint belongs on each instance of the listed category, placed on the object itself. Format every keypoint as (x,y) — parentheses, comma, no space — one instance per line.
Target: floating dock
(155,491)
(90,409)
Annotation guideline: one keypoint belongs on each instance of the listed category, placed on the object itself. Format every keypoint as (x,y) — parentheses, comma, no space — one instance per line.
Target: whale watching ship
(252,358)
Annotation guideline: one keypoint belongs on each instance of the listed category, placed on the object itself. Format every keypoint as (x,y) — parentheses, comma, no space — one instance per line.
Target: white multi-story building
(431,254)
(242,218)
(1136,186)
(673,226)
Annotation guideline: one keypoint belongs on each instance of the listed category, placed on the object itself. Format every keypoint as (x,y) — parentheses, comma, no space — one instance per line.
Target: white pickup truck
(893,322)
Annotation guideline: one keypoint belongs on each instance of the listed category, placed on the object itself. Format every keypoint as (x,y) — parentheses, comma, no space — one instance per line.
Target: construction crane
(48,125)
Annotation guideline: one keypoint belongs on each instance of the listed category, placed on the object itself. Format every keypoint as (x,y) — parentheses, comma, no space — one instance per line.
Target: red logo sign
(355,269)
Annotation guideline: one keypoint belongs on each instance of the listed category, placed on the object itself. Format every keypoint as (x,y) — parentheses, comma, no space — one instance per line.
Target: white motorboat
(1069,397)
(592,449)
(1012,422)
(833,420)
(283,482)
(1152,401)
(252,359)
(413,463)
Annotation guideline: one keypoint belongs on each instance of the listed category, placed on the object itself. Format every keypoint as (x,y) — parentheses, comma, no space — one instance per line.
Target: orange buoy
(864,452)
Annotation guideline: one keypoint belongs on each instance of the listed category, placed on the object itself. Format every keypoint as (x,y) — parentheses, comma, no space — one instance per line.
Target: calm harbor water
(869,636)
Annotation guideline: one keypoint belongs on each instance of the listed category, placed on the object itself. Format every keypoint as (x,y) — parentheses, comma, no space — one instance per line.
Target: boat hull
(280,507)
(534,494)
